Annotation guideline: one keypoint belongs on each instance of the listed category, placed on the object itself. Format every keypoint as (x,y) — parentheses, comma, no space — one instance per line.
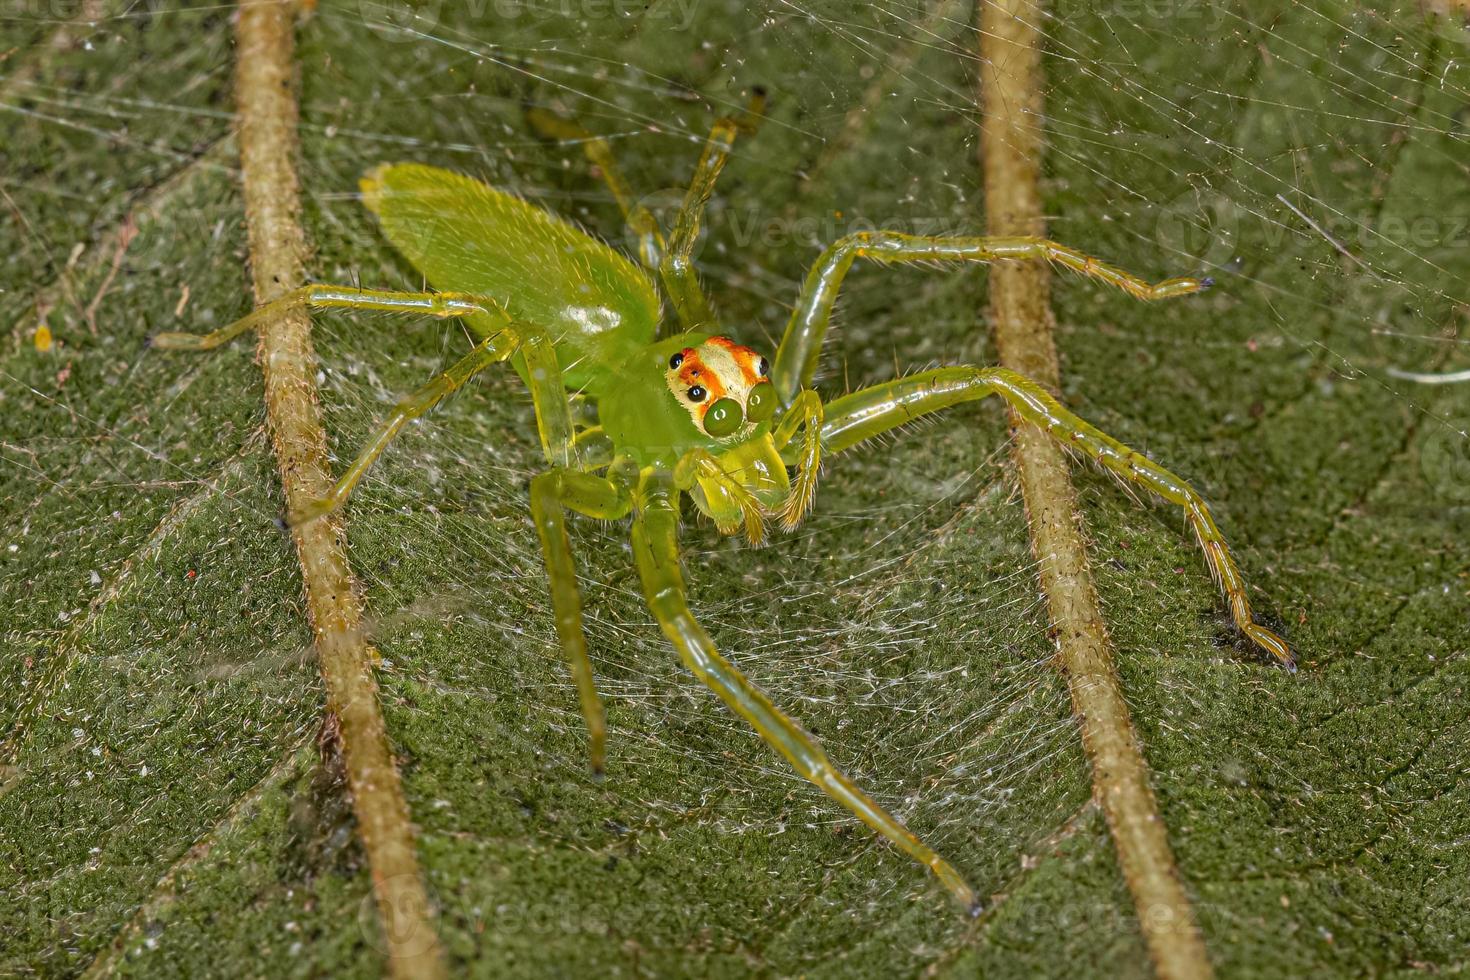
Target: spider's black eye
(675,361)
(763,369)
(697,393)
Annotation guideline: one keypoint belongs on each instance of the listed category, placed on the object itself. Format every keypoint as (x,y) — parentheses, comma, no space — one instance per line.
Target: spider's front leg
(871,411)
(796,358)
(503,339)
(656,553)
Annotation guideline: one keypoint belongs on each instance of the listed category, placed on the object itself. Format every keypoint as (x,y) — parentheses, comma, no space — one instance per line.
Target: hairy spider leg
(881,408)
(325,296)
(508,338)
(551,492)
(796,358)
(805,414)
(672,259)
(602,498)
(656,553)
(600,155)
(677,265)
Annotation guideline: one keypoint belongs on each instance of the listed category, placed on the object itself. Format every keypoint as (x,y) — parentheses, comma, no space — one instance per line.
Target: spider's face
(725,387)
(690,391)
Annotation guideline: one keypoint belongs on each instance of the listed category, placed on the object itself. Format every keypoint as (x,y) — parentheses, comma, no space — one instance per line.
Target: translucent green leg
(595,496)
(674,259)
(805,413)
(796,358)
(656,552)
(323,296)
(600,155)
(711,161)
(503,339)
(677,265)
(492,350)
(881,408)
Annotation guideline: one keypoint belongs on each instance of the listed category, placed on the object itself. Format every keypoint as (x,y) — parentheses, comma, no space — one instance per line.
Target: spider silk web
(164,789)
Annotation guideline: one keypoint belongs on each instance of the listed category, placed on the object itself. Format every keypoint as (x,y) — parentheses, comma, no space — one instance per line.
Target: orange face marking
(723,368)
(747,359)
(695,372)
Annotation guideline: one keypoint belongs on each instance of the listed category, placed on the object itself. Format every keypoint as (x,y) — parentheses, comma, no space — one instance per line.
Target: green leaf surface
(164,789)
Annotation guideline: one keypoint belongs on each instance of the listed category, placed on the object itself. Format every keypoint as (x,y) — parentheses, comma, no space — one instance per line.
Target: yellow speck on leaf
(43,338)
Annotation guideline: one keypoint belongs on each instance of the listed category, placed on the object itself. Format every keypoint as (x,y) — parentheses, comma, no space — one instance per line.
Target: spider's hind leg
(711,161)
(321,296)
(600,155)
(671,259)
(676,266)
(551,494)
(552,416)
(503,339)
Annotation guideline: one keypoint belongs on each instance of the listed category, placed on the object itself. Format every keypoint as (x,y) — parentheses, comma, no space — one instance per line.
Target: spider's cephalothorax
(692,413)
(698,392)
(725,388)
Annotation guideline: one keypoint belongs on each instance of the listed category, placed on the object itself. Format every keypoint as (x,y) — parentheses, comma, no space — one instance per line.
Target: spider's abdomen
(468,237)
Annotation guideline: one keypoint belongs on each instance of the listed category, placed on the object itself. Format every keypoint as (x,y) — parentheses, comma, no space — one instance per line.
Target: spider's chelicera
(688,412)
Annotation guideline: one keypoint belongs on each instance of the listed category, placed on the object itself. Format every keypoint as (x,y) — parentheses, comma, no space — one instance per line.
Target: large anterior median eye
(723,417)
(761,402)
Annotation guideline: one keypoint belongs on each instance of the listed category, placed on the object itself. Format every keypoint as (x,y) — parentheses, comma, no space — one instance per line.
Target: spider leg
(676,265)
(805,412)
(324,296)
(655,551)
(796,358)
(672,259)
(494,349)
(503,338)
(679,253)
(871,411)
(551,493)
(600,155)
